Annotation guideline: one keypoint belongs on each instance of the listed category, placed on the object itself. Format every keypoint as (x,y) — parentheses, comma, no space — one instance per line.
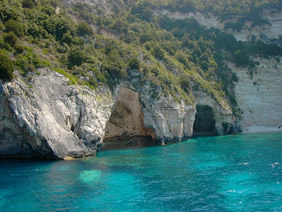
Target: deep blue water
(231,173)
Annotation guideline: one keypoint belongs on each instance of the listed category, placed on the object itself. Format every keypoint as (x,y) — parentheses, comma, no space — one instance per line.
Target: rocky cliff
(258,93)
(258,90)
(48,117)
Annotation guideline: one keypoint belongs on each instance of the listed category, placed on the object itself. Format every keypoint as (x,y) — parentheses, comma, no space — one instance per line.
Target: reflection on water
(133,143)
(234,173)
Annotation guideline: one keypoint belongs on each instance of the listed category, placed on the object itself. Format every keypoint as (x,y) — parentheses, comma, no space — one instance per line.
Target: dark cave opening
(204,124)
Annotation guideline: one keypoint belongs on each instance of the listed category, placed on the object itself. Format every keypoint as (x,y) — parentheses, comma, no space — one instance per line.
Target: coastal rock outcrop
(172,121)
(48,117)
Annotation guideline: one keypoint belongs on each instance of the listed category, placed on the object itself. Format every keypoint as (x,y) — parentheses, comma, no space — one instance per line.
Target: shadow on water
(133,143)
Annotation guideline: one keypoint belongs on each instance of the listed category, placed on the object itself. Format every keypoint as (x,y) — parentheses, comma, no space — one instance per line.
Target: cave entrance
(204,124)
(125,128)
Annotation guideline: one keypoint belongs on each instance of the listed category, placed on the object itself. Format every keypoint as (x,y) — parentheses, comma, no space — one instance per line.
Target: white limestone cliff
(49,118)
(259,96)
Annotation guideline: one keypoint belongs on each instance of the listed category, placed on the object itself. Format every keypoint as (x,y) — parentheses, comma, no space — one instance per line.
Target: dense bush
(76,57)
(144,10)
(158,53)
(6,66)
(28,4)
(84,28)
(185,83)
(134,64)
(10,38)
(15,27)
(2,26)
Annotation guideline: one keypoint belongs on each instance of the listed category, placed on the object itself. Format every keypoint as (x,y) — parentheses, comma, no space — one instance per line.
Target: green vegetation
(28,4)
(10,38)
(178,57)
(14,26)
(134,64)
(73,79)
(235,13)
(84,28)
(6,66)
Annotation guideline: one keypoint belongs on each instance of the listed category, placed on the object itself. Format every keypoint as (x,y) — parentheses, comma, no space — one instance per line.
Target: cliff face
(258,94)
(47,117)
(173,121)
(51,119)
(266,33)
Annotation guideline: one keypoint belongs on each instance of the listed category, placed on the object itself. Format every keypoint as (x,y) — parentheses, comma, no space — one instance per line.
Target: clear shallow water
(231,173)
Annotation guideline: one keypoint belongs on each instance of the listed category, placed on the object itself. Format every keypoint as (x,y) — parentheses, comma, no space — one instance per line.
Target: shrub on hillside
(158,53)
(185,83)
(84,28)
(6,67)
(76,57)
(15,27)
(2,26)
(28,4)
(10,38)
(134,64)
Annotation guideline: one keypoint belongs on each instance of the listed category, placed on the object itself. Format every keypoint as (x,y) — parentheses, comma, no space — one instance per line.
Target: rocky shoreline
(47,117)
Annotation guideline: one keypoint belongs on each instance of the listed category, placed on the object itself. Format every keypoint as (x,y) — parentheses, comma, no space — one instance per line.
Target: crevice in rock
(204,124)
(228,128)
(125,127)
(72,127)
(75,127)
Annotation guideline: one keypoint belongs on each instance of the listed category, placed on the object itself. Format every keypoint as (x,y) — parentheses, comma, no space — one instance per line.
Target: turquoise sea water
(231,173)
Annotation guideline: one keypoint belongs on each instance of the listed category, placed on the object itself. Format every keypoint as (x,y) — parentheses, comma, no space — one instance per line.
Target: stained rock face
(127,118)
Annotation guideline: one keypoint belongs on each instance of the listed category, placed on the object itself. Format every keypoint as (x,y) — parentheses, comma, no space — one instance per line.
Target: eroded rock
(52,118)
(127,118)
